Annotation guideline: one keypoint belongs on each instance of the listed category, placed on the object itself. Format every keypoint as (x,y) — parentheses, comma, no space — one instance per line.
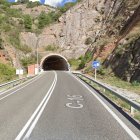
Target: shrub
(1,45)
(101,71)
(14,39)
(14,13)
(27,22)
(51,48)
(6,72)
(135,83)
(23,1)
(31,4)
(28,60)
(25,49)
(88,41)
(66,7)
(88,56)
(83,62)
(46,19)
(43,20)
(6,27)
(74,63)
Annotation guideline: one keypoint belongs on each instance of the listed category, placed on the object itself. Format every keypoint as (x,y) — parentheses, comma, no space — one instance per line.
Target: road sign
(95,64)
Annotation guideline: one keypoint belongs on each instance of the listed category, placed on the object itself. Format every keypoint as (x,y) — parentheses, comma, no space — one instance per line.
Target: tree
(28,22)
(44,19)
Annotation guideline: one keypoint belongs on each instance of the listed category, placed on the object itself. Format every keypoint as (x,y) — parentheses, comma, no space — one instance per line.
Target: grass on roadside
(7,73)
(114,81)
(74,63)
(124,105)
(106,76)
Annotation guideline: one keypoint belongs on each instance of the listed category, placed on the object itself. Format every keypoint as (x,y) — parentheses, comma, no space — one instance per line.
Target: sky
(53,3)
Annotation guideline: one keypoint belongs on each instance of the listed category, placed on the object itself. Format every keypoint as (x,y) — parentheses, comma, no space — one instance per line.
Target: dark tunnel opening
(55,62)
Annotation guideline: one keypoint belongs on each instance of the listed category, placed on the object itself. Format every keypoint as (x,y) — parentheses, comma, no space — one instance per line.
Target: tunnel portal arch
(55,62)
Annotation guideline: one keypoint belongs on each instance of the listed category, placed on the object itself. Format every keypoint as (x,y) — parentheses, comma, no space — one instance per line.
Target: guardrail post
(132,110)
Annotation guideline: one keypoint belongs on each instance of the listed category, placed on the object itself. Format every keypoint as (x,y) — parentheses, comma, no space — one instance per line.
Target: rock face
(117,42)
(77,26)
(125,61)
(74,27)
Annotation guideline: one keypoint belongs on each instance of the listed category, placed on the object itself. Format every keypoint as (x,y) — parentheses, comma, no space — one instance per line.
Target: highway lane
(73,113)
(56,106)
(16,109)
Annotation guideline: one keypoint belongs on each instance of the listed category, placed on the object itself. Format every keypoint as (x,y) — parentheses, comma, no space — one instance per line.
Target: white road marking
(29,126)
(76,98)
(19,88)
(124,126)
(72,106)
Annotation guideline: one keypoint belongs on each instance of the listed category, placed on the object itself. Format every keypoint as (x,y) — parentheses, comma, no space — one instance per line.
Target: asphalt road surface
(58,106)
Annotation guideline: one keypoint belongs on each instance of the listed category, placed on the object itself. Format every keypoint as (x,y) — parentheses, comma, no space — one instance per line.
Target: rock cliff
(72,29)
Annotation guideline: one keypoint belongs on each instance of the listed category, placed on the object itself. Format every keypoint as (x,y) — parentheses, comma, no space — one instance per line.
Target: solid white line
(19,89)
(19,85)
(124,126)
(39,114)
(24,129)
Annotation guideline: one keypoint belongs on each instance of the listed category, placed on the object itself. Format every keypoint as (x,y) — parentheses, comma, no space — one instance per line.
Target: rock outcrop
(72,30)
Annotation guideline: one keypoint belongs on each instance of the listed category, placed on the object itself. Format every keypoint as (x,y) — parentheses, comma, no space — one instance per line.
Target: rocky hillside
(72,29)
(122,23)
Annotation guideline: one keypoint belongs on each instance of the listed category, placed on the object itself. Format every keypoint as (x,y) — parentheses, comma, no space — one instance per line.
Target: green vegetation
(81,61)
(88,41)
(31,4)
(51,48)
(47,19)
(121,103)
(28,22)
(101,71)
(66,7)
(28,60)
(85,59)
(25,49)
(1,46)
(137,116)
(74,63)
(14,38)
(6,73)
(109,78)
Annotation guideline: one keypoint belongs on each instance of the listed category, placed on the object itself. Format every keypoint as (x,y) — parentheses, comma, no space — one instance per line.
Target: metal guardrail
(129,101)
(5,86)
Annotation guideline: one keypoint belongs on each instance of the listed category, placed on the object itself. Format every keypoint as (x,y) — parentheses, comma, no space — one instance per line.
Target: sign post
(95,65)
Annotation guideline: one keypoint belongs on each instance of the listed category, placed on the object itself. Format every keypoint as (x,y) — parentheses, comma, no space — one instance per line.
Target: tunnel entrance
(55,62)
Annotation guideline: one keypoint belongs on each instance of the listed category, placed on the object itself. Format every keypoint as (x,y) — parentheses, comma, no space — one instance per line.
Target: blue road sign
(95,64)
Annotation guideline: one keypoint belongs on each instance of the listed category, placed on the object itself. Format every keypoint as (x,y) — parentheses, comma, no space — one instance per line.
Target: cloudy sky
(54,3)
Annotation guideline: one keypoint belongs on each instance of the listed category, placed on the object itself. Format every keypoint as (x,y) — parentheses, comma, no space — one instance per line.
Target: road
(58,106)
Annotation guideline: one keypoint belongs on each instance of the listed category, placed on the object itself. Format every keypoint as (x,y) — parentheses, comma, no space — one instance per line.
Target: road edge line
(39,114)
(122,124)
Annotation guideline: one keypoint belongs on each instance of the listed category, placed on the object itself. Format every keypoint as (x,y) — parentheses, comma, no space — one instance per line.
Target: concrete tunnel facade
(55,62)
